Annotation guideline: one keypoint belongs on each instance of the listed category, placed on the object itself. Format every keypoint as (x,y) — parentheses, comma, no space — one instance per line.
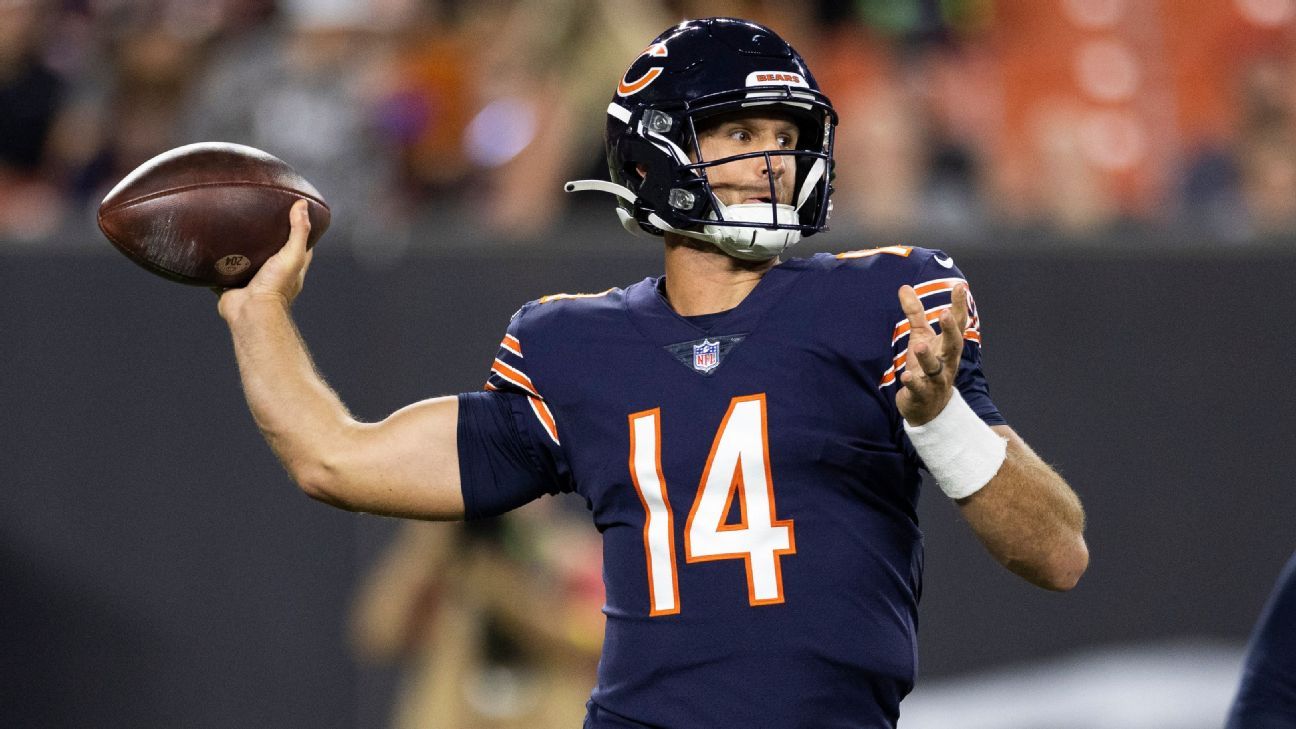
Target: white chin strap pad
(751,244)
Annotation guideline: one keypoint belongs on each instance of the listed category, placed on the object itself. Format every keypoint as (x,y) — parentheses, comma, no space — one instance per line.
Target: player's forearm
(1030,520)
(301,418)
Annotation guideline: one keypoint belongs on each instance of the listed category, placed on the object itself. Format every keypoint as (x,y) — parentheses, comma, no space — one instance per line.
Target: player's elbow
(1067,564)
(321,480)
(323,475)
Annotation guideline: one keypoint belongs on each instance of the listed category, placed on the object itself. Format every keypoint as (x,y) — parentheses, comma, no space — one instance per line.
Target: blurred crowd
(1068,116)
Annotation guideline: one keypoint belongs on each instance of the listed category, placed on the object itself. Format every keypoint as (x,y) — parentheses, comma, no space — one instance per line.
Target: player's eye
(740,135)
(786,141)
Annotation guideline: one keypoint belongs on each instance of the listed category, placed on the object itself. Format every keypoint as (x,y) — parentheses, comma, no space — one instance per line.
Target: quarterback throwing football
(749,438)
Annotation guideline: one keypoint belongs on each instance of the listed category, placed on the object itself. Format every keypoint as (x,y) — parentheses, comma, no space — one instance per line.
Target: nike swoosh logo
(946,262)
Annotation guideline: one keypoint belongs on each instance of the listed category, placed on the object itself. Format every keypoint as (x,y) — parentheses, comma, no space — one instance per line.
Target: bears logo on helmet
(694,71)
(626,87)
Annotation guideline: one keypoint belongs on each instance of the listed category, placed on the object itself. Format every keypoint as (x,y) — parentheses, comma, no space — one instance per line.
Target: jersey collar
(652,314)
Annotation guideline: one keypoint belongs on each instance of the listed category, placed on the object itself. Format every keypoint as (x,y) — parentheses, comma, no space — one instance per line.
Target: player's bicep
(406,465)
(509,454)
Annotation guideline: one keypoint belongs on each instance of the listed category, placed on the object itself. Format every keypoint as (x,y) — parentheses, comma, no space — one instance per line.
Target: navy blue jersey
(750,476)
(1267,696)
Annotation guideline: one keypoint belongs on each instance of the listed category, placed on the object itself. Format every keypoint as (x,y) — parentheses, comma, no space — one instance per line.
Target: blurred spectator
(1267,145)
(152,69)
(916,100)
(428,102)
(304,91)
(1245,185)
(30,98)
(495,624)
(29,91)
(130,66)
(544,89)
(1232,66)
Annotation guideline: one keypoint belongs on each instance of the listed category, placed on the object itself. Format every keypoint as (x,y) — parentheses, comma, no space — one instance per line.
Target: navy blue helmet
(694,71)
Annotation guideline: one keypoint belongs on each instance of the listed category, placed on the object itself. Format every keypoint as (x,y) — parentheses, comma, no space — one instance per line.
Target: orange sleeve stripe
(893,371)
(902,327)
(933,315)
(512,344)
(491,386)
(899,362)
(972,332)
(542,412)
(514,376)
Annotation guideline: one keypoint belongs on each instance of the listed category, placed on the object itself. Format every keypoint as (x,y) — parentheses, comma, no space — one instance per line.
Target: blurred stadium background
(1117,177)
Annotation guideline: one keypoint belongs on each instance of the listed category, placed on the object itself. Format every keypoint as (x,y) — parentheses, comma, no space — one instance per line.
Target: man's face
(747,180)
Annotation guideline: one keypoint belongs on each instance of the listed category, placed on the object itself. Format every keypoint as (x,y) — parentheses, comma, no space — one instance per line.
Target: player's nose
(774,166)
(773,163)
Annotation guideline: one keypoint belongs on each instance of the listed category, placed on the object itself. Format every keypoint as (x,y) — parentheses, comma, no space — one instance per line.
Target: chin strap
(627,220)
(620,191)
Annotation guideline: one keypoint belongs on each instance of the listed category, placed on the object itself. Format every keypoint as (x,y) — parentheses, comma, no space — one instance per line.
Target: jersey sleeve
(934,283)
(508,442)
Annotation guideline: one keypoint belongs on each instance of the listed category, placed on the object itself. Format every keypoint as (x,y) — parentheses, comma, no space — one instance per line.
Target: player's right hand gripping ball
(208,214)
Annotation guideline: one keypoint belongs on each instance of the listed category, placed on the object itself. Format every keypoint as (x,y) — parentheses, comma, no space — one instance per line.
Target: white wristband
(959,449)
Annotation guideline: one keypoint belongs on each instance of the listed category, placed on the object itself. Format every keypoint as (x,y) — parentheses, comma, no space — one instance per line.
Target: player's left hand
(932,361)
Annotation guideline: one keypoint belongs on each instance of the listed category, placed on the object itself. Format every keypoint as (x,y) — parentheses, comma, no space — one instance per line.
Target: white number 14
(738,465)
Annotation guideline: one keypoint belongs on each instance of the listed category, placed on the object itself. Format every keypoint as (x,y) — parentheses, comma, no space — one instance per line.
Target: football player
(748,437)
(1267,697)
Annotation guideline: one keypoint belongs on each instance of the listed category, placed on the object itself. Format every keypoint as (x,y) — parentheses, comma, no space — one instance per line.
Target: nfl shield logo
(706,356)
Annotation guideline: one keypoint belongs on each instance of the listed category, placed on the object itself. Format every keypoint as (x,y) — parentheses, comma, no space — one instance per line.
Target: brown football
(208,214)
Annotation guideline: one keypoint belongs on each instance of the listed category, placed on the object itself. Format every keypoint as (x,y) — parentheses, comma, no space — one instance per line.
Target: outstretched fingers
(928,356)
(921,356)
(953,322)
(913,310)
(932,360)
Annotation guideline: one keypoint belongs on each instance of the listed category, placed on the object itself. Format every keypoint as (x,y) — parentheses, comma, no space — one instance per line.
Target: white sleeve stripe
(937,286)
(510,374)
(545,416)
(512,344)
